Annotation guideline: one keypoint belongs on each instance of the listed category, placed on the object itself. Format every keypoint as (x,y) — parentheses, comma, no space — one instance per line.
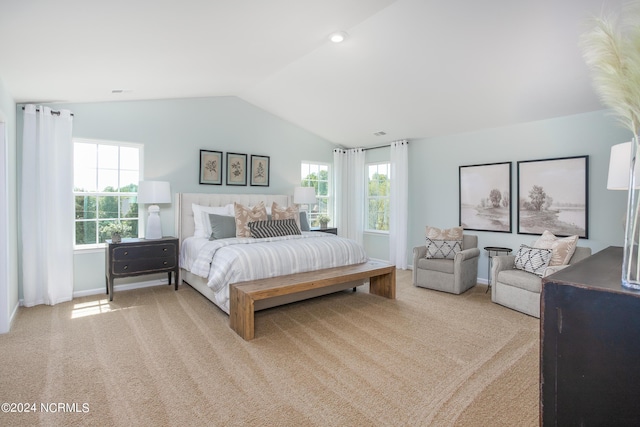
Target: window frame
(329,199)
(99,193)
(368,197)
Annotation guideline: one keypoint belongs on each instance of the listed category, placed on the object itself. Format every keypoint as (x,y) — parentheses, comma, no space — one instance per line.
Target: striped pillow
(273,228)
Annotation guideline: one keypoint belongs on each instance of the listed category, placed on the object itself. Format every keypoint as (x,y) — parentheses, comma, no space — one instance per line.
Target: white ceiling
(411,68)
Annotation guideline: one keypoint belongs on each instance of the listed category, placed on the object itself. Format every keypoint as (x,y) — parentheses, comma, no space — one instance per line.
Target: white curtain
(47,207)
(399,200)
(348,168)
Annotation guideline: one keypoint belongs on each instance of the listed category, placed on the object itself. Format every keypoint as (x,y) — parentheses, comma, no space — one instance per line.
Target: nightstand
(331,230)
(135,257)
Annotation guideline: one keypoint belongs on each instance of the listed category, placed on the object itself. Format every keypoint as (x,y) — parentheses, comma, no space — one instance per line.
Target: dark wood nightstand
(135,257)
(331,230)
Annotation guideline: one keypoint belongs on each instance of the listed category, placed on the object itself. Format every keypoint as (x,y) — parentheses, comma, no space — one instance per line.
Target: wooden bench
(244,296)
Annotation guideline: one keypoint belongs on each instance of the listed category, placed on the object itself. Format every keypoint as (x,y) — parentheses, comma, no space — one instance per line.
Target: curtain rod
(380,146)
(53,112)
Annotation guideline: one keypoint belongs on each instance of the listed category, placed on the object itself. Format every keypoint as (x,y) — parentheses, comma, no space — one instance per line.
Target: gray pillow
(304,222)
(222,226)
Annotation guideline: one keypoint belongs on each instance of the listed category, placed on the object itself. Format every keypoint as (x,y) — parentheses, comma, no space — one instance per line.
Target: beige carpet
(159,357)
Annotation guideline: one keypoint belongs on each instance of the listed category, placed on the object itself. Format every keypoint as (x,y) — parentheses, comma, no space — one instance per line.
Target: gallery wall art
(553,195)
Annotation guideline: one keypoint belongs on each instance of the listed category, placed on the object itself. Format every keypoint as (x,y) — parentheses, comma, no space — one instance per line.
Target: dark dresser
(135,257)
(590,345)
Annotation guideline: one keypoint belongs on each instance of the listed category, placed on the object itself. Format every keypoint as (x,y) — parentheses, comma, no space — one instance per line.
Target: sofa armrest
(419,252)
(466,254)
(553,269)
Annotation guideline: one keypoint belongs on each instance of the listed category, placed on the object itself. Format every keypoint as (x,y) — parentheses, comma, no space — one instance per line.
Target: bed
(288,266)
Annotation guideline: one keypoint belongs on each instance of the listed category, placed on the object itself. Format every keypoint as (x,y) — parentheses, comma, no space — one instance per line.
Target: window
(106,176)
(377,203)
(317,175)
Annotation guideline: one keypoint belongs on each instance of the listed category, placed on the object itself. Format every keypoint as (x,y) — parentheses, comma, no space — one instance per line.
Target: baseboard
(122,287)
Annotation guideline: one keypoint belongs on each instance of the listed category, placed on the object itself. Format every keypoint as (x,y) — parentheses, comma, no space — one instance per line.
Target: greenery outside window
(106,176)
(317,175)
(377,199)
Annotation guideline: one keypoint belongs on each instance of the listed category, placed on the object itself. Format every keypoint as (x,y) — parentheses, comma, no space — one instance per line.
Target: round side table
(494,251)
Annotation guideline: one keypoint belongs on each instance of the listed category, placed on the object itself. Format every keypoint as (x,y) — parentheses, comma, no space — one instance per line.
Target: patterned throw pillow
(291,212)
(435,233)
(443,243)
(245,215)
(443,249)
(532,260)
(273,228)
(563,248)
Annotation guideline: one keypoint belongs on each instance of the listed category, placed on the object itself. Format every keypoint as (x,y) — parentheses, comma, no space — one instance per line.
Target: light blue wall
(173,132)
(9,297)
(434,162)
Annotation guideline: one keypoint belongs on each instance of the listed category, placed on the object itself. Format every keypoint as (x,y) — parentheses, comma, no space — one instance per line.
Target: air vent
(380,133)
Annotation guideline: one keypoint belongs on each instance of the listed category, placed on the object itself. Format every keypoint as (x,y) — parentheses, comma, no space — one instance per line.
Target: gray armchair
(449,275)
(518,289)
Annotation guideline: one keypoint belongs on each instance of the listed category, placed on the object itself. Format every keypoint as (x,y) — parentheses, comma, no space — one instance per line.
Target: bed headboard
(185,226)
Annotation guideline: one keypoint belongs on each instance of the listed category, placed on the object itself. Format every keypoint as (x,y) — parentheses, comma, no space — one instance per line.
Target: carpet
(156,357)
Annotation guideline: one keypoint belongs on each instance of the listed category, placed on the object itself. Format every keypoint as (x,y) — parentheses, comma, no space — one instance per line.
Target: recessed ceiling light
(380,133)
(121,90)
(338,37)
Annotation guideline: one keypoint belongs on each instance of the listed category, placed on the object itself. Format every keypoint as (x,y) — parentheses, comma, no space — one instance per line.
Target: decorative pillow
(201,219)
(304,222)
(273,228)
(563,248)
(291,212)
(443,249)
(222,226)
(443,243)
(532,260)
(245,215)
(454,233)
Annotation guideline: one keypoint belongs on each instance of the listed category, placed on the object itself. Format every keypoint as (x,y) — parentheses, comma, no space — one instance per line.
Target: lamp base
(154,226)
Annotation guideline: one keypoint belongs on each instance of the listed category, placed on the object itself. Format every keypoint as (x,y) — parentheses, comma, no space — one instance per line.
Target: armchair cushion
(532,260)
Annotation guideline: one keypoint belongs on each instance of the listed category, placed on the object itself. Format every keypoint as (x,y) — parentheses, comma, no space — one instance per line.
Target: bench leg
(384,285)
(241,313)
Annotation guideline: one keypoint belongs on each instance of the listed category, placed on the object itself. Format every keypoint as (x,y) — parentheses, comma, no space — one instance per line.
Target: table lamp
(154,193)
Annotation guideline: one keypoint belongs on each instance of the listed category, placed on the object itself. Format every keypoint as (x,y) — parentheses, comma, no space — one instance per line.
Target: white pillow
(201,217)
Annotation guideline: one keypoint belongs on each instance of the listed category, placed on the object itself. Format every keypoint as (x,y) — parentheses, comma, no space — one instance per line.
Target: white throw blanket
(234,260)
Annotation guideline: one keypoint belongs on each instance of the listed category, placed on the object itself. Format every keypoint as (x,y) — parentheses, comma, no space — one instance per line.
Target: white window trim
(99,247)
(366,197)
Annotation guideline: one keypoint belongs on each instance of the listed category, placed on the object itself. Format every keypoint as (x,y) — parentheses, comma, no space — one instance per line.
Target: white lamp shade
(619,166)
(154,192)
(304,195)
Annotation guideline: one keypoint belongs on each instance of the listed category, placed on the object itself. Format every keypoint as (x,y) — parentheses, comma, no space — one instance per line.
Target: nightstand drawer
(144,251)
(133,266)
(136,257)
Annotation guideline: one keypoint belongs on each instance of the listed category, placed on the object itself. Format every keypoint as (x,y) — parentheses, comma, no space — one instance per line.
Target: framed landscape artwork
(210,167)
(236,169)
(485,197)
(259,170)
(553,195)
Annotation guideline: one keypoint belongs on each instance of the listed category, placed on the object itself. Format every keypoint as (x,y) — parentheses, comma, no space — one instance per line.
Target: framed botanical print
(259,170)
(210,167)
(236,169)
(553,195)
(485,197)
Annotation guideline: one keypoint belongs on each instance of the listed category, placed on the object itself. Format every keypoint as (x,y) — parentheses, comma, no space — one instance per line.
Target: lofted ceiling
(410,68)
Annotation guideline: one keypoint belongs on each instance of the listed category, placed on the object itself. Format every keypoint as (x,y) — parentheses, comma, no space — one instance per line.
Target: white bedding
(233,260)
